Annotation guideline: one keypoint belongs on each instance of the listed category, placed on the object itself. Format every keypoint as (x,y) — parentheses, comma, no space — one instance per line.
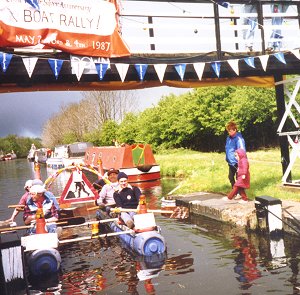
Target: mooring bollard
(12,278)
(269,214)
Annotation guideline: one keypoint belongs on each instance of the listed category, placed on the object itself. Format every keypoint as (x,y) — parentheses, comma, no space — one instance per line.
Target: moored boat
(31,153)
(68,154)
(41,155)
(56,159)
(75,153)
(136,160)
(9,156)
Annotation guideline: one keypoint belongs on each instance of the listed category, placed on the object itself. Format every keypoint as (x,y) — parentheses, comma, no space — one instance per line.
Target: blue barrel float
(145,243)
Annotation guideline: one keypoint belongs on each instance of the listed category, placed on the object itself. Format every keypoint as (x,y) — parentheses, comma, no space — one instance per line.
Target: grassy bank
(208,172)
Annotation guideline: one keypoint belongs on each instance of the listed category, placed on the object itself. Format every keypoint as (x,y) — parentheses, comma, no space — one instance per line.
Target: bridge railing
(171,28)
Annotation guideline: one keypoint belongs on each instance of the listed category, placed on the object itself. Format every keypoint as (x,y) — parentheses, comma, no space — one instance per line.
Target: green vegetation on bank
(207,172)
(20,145)
(194,120)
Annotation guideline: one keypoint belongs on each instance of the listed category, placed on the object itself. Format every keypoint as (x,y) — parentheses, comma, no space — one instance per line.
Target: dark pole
(151,32)
(217,30)
(283,142)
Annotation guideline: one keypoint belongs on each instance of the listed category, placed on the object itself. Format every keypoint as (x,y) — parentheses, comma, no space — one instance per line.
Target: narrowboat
(136,160)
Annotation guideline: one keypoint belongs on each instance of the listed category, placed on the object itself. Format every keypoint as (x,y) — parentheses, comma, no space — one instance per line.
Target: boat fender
(44,261)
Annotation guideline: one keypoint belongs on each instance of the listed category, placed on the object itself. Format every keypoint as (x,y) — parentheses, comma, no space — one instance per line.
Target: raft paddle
(64,221)
(95,237)
(92,222)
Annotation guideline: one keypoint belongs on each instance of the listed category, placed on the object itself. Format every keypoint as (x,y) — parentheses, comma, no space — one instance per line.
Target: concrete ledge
(241,215)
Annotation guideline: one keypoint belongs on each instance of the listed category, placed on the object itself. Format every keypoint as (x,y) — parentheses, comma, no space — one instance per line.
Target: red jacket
(243,169)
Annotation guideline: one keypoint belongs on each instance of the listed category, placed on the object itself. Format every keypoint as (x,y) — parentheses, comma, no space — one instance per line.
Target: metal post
(260,25)
(151,32)
(283,142)
(217,30)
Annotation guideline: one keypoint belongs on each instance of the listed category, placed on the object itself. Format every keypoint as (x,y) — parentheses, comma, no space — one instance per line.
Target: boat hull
(136,160)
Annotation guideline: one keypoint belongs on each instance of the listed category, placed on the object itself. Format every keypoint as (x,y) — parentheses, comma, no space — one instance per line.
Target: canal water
(203,256)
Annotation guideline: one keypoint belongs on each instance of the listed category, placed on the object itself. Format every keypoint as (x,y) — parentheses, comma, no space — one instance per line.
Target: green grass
(208,172)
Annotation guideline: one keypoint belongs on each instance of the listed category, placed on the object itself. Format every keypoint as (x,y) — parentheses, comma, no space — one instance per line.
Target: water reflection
(246,265)
(199,249)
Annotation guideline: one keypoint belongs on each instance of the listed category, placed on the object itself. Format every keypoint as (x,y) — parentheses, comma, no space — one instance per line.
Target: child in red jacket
(243,177)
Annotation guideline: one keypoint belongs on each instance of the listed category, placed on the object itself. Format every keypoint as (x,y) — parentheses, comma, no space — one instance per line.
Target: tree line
(20,145)
(194,120)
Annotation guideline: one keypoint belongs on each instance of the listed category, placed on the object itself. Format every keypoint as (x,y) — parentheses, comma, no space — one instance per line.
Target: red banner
(76,26)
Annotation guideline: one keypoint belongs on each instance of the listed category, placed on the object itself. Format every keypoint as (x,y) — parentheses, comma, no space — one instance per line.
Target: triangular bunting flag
(160,71)
(223,3)
(141,69)
(264,61)
(5,59)
(234,63)
(199,68)
(29,63)
(78,67)
(122,70)
(216,67)
(33,3)
(250,61)
(101,69)
(180,69)
(280,57)
(296,53)
(55,65)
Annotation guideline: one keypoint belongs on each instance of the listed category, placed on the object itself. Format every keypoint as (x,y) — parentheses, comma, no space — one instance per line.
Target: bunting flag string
(122,70)
(216,67)
(30,63)
(296,53)
(234,63)
(141,69)
(160,71)
(5,59)
(90,65)
(250,61)
(180,69)
(33,3)
(280,57)
(55,65)
(264,61)
(199,68)
(101,69)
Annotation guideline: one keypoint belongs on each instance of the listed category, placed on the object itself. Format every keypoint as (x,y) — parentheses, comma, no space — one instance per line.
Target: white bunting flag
(29,63)
(160,71)
(122,70)
(78,66)
(234,63)
(264,61)
(296,53)
(199,68)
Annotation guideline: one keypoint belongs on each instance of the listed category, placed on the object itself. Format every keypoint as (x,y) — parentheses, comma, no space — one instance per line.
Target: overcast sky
(25,113)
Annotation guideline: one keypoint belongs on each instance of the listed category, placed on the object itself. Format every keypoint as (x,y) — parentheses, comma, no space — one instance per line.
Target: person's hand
(243,176)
